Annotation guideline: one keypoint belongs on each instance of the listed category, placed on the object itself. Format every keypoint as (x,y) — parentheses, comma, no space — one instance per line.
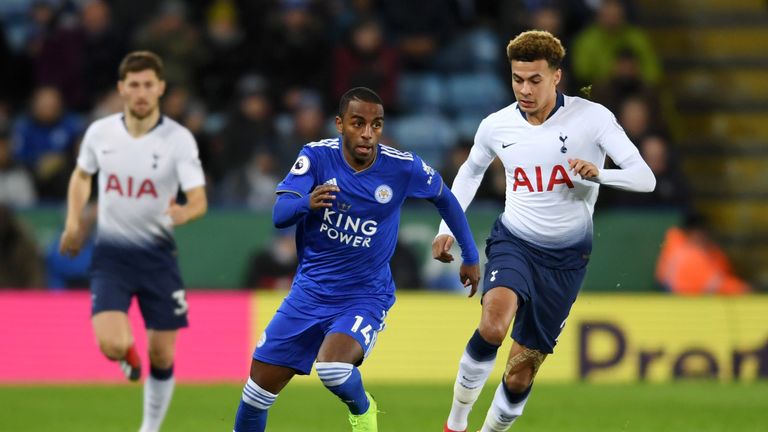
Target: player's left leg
(164,307)
(512,394)
(158,388)
(348,341)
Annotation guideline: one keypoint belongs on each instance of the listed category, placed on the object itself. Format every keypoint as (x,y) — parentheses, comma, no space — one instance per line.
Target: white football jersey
(546,203)
(138,177)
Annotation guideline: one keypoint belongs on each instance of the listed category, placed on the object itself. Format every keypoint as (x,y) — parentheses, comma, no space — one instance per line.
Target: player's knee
(161,358)
(493,332)
(114,349)
(518,382)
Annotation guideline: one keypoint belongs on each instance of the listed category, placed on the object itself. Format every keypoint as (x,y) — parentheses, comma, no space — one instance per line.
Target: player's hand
(322,196)
(583,168)
(71,241)
(440,247)
(178,213)
(470,275)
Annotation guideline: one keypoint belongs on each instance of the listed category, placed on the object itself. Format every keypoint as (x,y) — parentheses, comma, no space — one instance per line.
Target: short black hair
(363,94)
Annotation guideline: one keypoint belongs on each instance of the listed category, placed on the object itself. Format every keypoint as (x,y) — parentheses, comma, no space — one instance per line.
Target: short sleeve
(425,181)
(301,178)
(87,160)
(189,169)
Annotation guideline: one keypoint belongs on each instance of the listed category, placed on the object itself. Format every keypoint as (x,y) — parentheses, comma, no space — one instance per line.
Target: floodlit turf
(303,407)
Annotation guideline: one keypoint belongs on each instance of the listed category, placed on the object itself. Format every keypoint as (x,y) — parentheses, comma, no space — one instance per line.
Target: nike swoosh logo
(507,145)
(107,151)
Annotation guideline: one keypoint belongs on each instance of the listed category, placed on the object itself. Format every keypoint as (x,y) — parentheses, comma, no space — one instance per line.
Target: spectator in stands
(624,82)
(421,28)
(175,40)
(72,271)
(637,119)
(672,190)
(253,185)
(227,55)
(17,188)
(366,60)
(691,263)
(20,263)
(249,128)
(305,124)
(274,266)
(104,47)
(45,141)
(596,48)
(294,50)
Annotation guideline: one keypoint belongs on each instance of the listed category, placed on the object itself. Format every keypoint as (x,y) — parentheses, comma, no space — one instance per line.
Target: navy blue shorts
(545,292)
(160,293)
(294,335)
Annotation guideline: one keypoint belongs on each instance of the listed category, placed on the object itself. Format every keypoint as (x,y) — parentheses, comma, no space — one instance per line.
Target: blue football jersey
(344,251)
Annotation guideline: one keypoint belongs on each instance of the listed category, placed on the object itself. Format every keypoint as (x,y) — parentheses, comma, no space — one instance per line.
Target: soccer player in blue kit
(344,195)
(553,148)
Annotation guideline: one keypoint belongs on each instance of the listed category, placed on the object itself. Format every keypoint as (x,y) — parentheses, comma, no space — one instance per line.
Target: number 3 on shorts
(365,331)
(181,300)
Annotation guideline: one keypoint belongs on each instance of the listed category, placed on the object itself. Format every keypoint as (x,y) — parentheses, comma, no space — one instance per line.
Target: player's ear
(162,87)
(558,76)
(339,127)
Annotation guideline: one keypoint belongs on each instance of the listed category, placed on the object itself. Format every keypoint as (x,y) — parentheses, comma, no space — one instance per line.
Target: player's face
(534,84)
(141,92)
(360,129)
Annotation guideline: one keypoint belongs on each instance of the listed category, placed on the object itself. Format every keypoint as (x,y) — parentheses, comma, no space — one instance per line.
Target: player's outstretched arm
(453,215)
(196,206)
(77,196)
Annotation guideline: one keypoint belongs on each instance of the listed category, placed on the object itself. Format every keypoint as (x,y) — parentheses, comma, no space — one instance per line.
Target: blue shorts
(545,293)
(294,335)
(160,293)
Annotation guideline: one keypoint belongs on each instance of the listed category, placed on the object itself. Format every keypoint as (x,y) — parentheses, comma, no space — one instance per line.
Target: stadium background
(628,349)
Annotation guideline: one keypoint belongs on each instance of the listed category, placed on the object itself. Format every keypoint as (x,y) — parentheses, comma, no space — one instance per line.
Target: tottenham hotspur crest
(563,149)
(383,194)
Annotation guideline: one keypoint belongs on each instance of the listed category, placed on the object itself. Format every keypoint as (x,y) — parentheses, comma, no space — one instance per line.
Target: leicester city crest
(383,194)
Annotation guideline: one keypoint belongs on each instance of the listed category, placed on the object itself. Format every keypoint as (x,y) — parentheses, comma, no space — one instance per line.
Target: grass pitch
(308,407)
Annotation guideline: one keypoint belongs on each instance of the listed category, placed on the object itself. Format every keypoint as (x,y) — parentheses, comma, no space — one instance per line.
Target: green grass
(302,407)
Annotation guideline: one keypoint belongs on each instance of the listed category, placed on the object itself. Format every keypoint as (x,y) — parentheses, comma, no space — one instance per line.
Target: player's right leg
(288,346)
(113,334)
(477,361)
(111,298)
(259,393)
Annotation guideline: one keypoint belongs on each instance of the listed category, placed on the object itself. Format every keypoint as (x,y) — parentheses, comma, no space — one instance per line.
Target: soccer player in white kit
(553,148)
(142,158)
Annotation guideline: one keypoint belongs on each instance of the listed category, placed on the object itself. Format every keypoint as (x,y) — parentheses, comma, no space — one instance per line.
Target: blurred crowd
(254,80)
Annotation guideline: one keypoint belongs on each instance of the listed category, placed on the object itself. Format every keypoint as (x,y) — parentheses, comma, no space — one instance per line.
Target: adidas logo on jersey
(331,182)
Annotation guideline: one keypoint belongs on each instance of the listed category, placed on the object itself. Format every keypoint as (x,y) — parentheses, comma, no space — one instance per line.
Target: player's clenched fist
(322,196)
(583,168)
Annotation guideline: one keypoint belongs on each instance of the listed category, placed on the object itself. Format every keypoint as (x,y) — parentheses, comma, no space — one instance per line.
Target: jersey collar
(157,125)
(559,102)
(354,171)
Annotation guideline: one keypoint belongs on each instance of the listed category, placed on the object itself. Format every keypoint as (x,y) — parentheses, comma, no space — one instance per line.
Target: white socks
(469,384)
(502,413)
(157,398)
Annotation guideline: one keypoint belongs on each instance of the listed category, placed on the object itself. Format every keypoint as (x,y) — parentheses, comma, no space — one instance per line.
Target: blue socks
(252,413)
(344,380)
